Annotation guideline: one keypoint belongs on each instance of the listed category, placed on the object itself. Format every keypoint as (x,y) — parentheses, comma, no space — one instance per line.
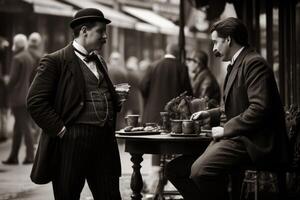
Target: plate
(187,135)
(122,132)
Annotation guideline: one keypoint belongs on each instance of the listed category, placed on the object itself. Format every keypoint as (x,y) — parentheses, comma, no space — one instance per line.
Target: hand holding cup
(122,90)
(202,116)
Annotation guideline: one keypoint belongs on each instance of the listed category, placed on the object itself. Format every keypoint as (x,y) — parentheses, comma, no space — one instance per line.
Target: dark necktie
(229,69)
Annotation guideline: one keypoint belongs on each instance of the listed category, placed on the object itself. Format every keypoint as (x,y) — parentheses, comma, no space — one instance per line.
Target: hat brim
(84,19)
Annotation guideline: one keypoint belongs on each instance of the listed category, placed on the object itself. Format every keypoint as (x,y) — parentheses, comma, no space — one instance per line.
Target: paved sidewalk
(15,182)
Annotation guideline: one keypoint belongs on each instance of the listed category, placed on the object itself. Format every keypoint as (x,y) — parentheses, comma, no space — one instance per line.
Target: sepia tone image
(149,99)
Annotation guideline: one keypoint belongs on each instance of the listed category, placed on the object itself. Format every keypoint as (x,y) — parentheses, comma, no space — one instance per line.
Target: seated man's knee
(179,167)
(196,171)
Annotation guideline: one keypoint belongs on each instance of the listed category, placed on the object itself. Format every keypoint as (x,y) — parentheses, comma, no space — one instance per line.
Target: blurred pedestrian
(164,80)
(118,74)
(146,61)
(203,82)
(134,104)
(3,92)
(74,102)
(35,48)
(18,84)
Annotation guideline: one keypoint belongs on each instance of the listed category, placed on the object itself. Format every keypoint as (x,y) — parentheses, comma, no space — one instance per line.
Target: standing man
(164,80)
(74,102)
(17,83)
(255,129)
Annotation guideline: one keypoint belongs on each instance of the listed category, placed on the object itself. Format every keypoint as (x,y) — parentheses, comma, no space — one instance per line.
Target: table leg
(136,182)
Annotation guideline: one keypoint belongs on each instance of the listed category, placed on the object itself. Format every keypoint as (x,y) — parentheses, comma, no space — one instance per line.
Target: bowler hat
(88,15)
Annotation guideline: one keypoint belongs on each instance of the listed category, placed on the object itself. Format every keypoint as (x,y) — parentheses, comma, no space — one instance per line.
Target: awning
(164,25)
(51,7)
(140,26)
(117,18)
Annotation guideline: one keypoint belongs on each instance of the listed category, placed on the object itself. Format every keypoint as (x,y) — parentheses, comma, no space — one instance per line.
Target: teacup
(188,127)
(132,120)
(176,126)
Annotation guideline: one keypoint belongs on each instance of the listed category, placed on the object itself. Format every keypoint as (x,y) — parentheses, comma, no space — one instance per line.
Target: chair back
(293,126)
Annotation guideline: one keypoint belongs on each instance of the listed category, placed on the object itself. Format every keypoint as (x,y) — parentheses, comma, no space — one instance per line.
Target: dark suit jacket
(55,99)
(254,110)
(164,80)
(20,72)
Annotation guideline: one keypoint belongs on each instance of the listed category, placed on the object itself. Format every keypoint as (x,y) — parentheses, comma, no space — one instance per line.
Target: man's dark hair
(88,25)
(232,27)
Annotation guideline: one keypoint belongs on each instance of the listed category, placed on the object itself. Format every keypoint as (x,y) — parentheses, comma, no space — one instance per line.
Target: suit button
(81,104)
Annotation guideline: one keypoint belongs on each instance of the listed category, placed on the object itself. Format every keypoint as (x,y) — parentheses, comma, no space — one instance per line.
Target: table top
(162,136)
(164,144)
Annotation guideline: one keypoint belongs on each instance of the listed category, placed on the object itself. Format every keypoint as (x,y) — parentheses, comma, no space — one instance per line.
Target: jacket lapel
(73,66)
(234,72)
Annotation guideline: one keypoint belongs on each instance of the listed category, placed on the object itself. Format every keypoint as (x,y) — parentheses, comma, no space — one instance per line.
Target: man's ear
(83,30)
(229,40)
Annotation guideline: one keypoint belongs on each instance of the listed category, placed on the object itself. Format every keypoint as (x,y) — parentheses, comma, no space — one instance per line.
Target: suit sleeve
(258,83)
(41,95)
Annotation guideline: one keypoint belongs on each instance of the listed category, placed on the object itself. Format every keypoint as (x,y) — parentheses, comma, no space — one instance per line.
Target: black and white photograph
(149,100)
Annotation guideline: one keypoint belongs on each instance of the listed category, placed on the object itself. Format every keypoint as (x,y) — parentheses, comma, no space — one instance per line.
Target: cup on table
(188,127)
(133,120)
(176,126)
(122,90)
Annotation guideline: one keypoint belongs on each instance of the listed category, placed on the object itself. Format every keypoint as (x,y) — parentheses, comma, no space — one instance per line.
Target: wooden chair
(252,173)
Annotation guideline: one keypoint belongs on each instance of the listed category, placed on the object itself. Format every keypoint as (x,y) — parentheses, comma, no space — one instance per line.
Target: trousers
(83,153)
(206,176)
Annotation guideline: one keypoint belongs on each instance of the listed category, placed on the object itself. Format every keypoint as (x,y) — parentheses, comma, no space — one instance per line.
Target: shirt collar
(236,55)
(80,48)
(169,56)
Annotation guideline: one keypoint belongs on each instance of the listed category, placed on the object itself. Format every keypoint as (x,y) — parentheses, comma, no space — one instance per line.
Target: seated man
(255,128)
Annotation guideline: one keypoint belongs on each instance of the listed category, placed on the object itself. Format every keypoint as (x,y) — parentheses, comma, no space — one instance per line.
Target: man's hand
(217,132)
(202,116)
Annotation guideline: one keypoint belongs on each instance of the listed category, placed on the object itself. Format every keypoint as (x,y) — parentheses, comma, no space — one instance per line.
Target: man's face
(192,63)
(96,37)
(220,46)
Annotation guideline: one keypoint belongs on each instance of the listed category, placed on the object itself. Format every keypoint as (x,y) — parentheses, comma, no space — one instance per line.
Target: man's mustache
(217,54)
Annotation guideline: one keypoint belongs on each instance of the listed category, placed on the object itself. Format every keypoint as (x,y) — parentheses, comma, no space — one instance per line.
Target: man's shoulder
(23,55)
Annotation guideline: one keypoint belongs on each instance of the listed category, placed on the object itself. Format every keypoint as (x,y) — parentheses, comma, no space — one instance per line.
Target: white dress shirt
(91,65)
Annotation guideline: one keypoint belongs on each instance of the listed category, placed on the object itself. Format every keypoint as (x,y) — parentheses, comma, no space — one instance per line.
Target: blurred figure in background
(203,82)
(146,61)
(3,100)
(35,48)
(164,80)
(135,101)
(118,74)
(18,84)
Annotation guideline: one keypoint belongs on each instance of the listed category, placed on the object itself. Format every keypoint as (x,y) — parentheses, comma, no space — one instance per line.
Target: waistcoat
(98,107)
